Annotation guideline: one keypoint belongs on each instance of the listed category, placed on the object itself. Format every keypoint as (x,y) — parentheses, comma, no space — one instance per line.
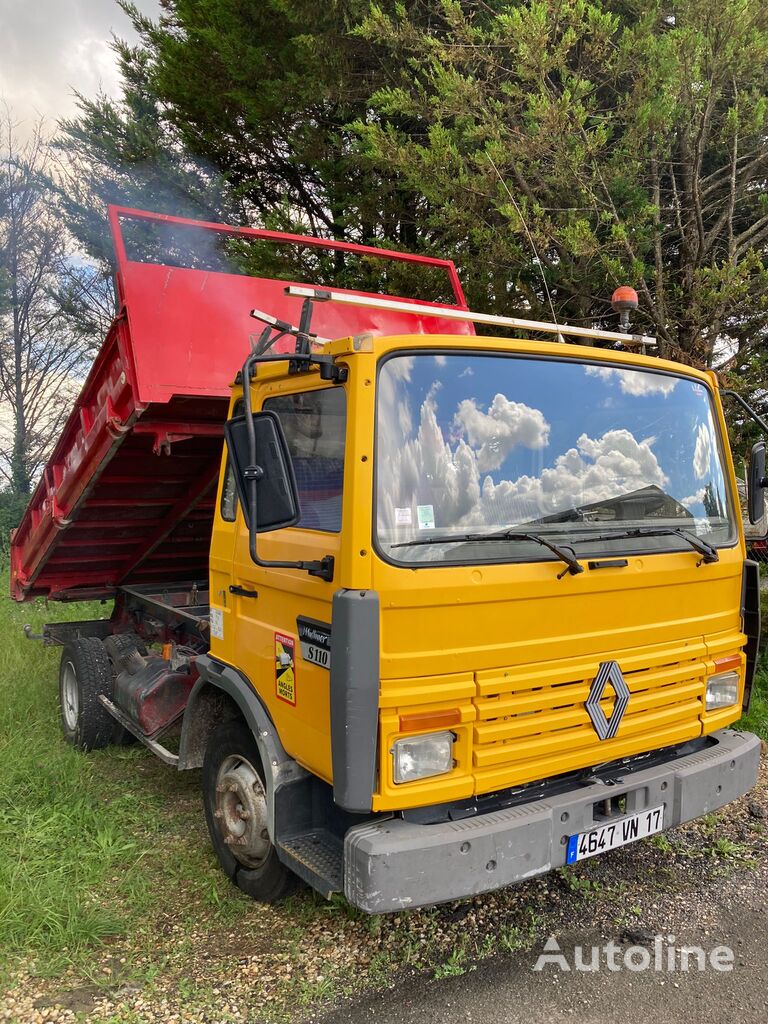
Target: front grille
(533,724)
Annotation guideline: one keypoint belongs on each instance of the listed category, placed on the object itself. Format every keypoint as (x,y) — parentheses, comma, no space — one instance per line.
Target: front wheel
(235,802)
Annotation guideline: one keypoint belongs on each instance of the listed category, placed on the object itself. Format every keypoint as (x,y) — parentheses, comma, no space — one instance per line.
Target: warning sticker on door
(285,668)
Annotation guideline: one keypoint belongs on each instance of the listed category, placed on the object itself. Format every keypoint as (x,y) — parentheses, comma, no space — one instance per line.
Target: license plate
(615,834)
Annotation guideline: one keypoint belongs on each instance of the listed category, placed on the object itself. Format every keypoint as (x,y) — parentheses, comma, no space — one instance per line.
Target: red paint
(127,494)
(152,694)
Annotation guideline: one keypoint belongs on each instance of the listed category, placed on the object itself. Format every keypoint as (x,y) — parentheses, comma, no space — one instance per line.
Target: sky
(50,48)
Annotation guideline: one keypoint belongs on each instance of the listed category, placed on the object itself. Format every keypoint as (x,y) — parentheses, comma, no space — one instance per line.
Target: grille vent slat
(534,720)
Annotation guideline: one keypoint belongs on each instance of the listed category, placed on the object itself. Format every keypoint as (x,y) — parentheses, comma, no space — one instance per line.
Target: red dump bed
(127,495)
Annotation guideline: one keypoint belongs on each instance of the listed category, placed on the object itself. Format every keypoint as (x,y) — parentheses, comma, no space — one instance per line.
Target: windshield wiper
(567,555)
(708,553)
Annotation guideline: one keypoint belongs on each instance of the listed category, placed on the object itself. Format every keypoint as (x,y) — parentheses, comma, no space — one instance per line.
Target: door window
(314,423)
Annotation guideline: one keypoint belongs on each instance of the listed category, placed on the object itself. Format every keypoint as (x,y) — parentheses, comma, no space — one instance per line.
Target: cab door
(283,616)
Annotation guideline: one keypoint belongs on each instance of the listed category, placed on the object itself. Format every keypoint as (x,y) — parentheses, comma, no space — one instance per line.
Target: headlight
(419,757)
(722,690)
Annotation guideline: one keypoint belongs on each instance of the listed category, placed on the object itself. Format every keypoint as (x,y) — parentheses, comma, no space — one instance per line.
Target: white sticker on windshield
(403,517)
(216,619)
(426,517)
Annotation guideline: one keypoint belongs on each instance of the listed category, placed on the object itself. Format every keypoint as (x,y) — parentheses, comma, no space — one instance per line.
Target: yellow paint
(511,647)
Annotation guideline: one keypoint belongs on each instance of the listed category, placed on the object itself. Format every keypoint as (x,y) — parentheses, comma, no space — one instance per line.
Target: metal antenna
(529,236)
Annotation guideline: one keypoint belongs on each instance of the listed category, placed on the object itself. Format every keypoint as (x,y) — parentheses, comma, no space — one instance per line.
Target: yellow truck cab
(507,625)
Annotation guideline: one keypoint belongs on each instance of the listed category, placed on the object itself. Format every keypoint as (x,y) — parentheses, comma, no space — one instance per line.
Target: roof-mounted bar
(448,313)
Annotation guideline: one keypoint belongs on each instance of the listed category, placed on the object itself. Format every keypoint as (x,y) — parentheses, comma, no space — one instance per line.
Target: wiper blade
(707,551)
(567,555)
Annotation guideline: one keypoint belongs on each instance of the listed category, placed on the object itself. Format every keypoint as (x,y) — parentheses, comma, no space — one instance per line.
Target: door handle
(243,591)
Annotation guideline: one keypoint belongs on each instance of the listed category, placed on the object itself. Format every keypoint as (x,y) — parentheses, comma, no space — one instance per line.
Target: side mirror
(277,499)
(756,483)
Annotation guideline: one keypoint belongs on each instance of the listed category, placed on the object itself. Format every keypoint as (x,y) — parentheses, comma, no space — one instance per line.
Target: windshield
(604,458)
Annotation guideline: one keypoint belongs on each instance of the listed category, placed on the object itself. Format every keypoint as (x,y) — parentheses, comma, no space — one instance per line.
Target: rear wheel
(235,801)
(84,675)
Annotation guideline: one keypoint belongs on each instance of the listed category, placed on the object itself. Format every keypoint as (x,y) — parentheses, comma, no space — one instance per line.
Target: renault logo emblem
(609,674)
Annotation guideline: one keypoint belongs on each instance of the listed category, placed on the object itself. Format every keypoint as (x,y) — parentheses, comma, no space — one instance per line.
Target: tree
(553,148)
(568,146)
(129,153)
(242,112)
(51,307)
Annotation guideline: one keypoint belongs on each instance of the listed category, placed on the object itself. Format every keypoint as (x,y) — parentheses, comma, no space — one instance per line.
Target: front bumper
(394,864)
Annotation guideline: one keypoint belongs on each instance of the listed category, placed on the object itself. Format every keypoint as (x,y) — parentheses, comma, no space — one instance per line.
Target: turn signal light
(731,663)
(415,720)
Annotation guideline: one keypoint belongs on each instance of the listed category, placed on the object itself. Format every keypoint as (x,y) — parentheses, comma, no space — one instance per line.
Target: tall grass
(61,836)
(757,719)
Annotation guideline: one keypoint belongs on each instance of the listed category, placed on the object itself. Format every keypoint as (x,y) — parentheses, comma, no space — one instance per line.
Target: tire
(233,778)
(124,642)
(85,674)
(119,644)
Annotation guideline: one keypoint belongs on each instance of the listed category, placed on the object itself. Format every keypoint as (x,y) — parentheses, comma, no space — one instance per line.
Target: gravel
(293,963)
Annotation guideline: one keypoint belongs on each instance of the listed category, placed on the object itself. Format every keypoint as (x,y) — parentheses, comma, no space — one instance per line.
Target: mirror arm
(323,568)
(303,343)
(746,407)
(329,370)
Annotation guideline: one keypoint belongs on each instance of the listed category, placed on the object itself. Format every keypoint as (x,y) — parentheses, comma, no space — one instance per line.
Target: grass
(83,839)
(107,876)
(756,720)
(455,965)
(60,840)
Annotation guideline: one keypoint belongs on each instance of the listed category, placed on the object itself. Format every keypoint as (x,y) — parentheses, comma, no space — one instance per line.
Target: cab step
(317,857)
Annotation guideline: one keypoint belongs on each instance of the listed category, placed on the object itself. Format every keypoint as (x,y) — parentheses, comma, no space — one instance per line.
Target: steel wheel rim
(70,697)
(240,811)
